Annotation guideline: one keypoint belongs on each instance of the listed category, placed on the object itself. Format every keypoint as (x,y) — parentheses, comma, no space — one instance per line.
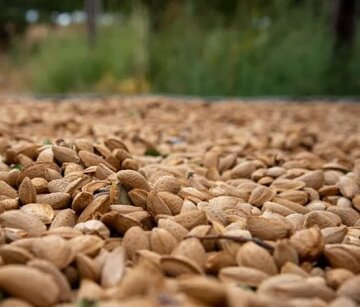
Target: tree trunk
(92,10)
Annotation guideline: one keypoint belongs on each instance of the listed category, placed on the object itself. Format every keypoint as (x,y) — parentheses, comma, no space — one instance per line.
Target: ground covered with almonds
(160,202)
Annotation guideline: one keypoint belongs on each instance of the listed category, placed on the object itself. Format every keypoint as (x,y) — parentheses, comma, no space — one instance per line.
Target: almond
(253,256)
(29,283)
(309,243)
(133,179)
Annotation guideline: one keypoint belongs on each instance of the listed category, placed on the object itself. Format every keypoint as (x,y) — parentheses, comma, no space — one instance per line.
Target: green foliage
(272,48)
(86,303)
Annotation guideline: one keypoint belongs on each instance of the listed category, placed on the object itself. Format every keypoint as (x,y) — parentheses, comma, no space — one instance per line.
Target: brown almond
(139,197)
(243,275)
(40,185)
(133,179)
(334,235)
(58,200)
(348,216)
(343,256)
(168,184)
(36,169)
(313,179)
(29,284)
(64,154)
(7,190)
(162,242)
(260,195)
(20,220)
(11,254)
(177,230)
(268,229)
(45,213)
(191,219)
(66,217)
(54,249)
(351,289)
(192,249)
(336,277)
(253,256)
(322,219)
(114,267)
(87,244)
(309,243)
(348,187)
(81,201)
(59,278)
(87,267)
(135,239)
(207,290)
(177,265)
(98,205)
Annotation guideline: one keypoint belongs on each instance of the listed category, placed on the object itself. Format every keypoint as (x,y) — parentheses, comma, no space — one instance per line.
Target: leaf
(152,152)
(17,166)
(86,303)
(46,141)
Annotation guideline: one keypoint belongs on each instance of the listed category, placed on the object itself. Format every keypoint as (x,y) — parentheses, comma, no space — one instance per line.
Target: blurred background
(185,47)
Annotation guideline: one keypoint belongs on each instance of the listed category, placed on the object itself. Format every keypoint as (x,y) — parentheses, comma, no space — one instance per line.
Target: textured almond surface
(152,201)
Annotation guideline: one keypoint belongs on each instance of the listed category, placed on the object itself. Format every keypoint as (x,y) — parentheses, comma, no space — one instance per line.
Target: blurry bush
(265,48)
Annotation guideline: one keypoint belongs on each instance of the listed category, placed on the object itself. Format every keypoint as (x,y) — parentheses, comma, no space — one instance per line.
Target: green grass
(292,56)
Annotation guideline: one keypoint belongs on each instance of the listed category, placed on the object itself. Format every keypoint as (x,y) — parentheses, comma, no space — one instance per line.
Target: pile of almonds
(161,202)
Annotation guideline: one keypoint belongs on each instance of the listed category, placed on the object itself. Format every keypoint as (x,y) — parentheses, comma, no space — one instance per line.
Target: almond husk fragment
(119,223)
(99,205)
(81,201)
